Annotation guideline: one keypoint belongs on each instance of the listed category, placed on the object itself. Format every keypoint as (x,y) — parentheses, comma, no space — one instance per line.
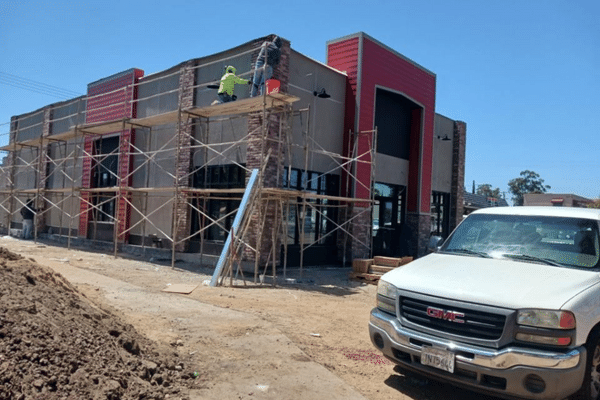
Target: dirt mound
(56,344)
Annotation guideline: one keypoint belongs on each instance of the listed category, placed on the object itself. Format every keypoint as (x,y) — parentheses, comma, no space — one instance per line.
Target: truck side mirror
(435,243)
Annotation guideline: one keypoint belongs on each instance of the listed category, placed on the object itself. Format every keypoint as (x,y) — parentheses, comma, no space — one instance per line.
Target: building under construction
(340,160)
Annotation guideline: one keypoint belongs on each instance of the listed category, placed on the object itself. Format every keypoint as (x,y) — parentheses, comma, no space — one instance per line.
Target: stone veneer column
(361,231)
(259,146)
(418,229)
(184,156)
(457,205)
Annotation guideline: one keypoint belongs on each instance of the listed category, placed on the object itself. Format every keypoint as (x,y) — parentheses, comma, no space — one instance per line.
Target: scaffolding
(48,167)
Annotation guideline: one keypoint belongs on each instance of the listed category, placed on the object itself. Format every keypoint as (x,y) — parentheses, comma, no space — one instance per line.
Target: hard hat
(230,70)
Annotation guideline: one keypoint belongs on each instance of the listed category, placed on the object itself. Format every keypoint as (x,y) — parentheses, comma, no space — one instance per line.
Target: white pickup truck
(508,305)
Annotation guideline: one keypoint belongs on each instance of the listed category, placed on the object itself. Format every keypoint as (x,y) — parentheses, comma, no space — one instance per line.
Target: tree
(595,203)
(528,182)
(487,191)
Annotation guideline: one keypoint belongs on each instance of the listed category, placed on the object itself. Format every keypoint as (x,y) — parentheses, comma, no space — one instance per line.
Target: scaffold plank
(243,106)
(154,120)
(102,128)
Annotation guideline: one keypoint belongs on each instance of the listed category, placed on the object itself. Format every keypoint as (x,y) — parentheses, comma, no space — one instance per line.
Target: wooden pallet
(365,277)
(379,269)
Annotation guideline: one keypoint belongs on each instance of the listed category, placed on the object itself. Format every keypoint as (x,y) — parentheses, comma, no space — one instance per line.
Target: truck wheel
(590,390)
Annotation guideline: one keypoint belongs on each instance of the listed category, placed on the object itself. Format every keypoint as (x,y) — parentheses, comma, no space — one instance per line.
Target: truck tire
(590,390)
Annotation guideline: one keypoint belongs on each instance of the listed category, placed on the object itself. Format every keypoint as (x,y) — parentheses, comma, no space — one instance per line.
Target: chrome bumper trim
(489,358)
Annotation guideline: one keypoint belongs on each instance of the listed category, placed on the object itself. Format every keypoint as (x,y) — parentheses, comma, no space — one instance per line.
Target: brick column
(459,141)
(184,155)
(418,227)
(260,144)
(361,229)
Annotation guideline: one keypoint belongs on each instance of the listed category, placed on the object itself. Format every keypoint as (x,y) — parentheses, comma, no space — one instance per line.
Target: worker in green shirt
(228,82)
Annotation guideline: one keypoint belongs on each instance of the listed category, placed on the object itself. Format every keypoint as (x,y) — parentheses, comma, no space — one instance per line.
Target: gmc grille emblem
(446,315)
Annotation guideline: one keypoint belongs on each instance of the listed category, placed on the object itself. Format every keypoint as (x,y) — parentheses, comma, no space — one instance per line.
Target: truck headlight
(546,327)
(386,296)
(386,289)
(546,319)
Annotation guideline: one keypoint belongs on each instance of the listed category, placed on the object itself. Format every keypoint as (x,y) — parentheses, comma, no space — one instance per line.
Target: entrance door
(388,218)
(104,175)
(383,226)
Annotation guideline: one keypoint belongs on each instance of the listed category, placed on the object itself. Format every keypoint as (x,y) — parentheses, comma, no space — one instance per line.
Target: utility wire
(37,87)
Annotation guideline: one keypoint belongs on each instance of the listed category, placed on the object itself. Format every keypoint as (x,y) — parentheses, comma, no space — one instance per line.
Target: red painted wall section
(343,56)
(382,67)
(110,99)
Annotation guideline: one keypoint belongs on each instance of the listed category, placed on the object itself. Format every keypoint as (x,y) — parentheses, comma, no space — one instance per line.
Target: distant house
(474,202)
(555,200)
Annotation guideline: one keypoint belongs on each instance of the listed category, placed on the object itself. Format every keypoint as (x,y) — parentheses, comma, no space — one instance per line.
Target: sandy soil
(305,338)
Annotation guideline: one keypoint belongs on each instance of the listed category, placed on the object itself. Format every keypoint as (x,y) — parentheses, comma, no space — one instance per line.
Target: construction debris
(370,270)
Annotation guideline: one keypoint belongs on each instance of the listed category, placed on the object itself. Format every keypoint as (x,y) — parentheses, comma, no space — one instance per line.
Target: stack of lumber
(370,270)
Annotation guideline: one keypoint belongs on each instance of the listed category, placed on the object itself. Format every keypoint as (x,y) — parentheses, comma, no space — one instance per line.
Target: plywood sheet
(183,288)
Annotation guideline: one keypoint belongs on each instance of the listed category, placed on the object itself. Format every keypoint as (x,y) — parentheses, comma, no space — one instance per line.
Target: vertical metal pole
(175,225)
(119,195)
(73,210)
(146,186)
(62,203)
(284,230)
(261,182)
(304,189)
(372,186)
(38,185)
(204,202)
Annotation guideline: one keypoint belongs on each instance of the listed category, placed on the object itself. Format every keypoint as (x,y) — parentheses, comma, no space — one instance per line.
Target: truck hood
(496,282)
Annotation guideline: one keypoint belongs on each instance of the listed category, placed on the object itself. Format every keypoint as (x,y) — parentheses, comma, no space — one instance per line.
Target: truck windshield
(556,241)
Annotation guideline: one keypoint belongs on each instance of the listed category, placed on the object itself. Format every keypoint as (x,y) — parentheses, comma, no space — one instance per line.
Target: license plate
(437,358)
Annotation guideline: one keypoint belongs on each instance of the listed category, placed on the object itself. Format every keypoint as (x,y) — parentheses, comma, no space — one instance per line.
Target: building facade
(555,200)
(353,159)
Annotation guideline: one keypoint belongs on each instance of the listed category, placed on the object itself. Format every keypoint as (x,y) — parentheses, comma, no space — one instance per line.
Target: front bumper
(507,372)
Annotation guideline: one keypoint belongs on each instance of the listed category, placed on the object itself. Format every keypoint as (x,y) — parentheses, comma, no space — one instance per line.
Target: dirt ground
(305,338)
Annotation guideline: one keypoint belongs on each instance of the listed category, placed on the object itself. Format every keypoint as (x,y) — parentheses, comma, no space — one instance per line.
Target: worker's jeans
(261,75)
(27,228)
(225,98)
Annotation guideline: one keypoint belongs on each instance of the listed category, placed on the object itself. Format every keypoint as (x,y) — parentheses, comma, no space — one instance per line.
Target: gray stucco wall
(391,170)
(67,115)
(441,179)
(158,93)
(30,126)
(325,118)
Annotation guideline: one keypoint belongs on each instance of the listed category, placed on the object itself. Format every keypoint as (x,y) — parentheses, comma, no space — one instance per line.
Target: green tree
(487,191)
(527,182)
(595,203)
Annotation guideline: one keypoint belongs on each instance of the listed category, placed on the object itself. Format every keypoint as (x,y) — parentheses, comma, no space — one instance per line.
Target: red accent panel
(110,99)
(343,55)
(382,67)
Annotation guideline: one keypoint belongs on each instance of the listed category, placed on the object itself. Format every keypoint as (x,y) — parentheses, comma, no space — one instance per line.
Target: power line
(37,87)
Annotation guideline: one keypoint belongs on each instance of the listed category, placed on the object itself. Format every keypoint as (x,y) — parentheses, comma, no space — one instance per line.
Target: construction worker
(269,54)
(28,213)
(228,82)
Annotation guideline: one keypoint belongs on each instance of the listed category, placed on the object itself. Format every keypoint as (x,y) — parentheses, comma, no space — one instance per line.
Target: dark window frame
(321,230)
(223,176)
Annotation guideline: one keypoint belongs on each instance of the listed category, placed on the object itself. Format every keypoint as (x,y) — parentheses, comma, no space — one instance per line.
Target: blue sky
(523,75)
